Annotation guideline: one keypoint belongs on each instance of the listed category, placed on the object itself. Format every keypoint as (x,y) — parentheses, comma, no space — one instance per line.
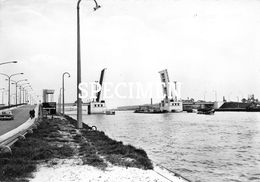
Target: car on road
(6,115)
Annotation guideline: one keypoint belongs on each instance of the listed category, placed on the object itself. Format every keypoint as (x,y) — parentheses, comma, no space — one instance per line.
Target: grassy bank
(112,151)
(58,139)
(41,146)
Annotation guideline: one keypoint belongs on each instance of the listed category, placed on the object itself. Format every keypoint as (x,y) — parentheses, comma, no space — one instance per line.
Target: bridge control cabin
(97,107)
(48,106)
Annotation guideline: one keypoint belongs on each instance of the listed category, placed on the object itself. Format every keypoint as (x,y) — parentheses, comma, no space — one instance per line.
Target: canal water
(218,148)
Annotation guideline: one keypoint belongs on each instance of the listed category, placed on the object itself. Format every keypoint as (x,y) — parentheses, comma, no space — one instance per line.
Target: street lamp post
(21,91)
(3,90)
(15,90)
(20,98)
(8,62)
(60,101)
(9,79)
(25,93)
(16,85)
(79,100)
(29,95)
(66,73)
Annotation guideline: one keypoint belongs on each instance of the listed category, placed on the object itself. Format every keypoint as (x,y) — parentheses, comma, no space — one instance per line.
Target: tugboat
(110,112)
(208,111)
(147,110)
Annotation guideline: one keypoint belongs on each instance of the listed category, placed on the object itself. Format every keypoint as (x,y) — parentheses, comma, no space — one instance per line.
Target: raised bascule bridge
(96,105)
(171,101)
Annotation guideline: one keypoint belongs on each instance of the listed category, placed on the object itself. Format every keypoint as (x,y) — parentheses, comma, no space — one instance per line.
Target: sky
(209,46)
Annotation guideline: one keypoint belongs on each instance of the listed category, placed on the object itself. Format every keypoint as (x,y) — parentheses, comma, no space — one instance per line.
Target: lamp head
(97,7)
(14,61)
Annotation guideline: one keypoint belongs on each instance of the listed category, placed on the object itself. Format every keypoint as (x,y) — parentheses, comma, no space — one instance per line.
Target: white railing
(9,138)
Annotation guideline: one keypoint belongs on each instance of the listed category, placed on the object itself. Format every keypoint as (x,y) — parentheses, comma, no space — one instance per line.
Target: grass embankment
(58,139)
(98,150)
(43,145)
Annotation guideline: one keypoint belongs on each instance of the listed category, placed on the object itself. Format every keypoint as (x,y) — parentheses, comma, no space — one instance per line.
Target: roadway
(21,115)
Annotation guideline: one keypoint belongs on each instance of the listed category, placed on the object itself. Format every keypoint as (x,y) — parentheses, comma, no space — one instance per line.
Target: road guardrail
(9,138)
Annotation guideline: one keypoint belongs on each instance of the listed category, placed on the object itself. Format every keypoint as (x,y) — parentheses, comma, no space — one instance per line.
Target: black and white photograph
(129,91)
